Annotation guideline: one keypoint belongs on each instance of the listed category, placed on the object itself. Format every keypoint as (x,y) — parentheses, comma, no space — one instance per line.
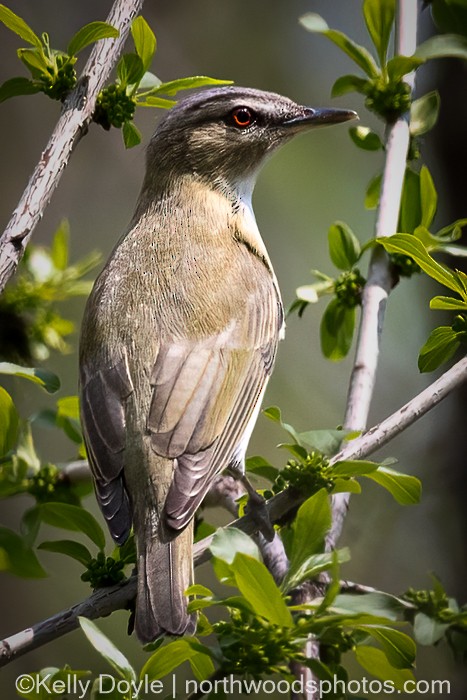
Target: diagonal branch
(104,601)
(76,114)
(380,279)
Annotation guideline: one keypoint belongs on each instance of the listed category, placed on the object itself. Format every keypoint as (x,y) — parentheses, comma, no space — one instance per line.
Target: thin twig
(105,601)
(76,114)
(380,280)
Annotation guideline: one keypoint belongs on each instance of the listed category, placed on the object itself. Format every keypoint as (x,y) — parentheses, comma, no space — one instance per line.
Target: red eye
(242,117)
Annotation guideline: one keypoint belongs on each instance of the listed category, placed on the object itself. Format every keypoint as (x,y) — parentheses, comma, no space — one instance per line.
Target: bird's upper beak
(319,117)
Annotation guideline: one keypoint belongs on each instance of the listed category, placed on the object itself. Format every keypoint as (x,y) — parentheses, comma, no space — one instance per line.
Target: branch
(105,601)
(76,114)
(380,280)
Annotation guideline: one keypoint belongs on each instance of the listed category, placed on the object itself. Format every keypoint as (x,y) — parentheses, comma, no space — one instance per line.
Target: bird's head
(224,134)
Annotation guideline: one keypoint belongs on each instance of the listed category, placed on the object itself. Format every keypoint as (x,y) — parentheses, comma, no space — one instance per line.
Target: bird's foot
(256,506)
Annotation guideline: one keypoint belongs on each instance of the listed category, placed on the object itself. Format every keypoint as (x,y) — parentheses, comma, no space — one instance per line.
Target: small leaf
(365,138)
(311,293)
(428,197)
(310,528)
(107,649)
(72,549)
(348,83)
(373,192)
(336,330)
(131,135)
(405,489)
(354,467)
(202,666)
(440,346)
(314,23)
(19,26)
(424,113)
(378,604)
(73,518)
(448,304)
(344,247)
(400,650)
(89,34)
(195,81)
(261,467)
(274,414)
(130,69)
(428,631)
(442,46)
(9,422)
(376,662)
(399,66)
(46,379)
(17,557)
(312,566)
(169,657)
(410,214)
(35,60)
(258,587)
(17,86)
(156,102)
(411,246)
(145,41)
(327,442)
(379,18)
(229,541)
(60,245)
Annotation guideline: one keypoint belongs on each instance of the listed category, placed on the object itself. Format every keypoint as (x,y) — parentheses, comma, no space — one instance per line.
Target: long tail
(165,570)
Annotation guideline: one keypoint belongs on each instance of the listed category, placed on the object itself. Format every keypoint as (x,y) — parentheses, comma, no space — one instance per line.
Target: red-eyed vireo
(180,334)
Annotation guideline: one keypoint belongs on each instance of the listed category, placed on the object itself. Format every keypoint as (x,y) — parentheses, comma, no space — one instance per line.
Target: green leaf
(202,666)
(19,26)
(170,656)
(229,541)
(400,650)
(376,662)
(17,557)
(344,247)
(411,246)
(410,211)
(348,83)
(310,528)
(365,138)
(448,304)
(274,414)
(312,566)
(258,587)
(378,604)
(72,549)
(145,41)
(424,113)
(428,631)
(131,135)
(46,379)
(75,518)
(327,442)
(346,485)
(379,18)
(261,467)
(336,330)
(354,467)
(155,102)
(405,489)
(9,422)
(195,81)
(90,33)
(428,197)
(399,66)
(35,60)
(107,649)
(316,24)
(130,69)
(442,46)
(60,245)
(373,192)
(440,346)
(17,86)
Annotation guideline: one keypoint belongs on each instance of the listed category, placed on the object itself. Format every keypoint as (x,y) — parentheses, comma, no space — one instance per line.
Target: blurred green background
(312,182)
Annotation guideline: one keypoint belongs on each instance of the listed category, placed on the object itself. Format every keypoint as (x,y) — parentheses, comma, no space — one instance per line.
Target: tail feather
(165,570)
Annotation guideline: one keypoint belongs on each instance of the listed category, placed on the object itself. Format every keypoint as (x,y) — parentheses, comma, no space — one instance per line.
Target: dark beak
(320,117)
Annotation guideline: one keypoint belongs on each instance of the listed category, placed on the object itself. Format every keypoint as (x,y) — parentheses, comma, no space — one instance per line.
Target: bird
(180,333)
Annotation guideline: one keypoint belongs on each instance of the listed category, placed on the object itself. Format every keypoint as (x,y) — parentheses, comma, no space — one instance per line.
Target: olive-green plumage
(180,334)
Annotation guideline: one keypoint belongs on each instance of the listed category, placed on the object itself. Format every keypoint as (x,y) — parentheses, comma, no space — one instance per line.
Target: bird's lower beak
(320,117)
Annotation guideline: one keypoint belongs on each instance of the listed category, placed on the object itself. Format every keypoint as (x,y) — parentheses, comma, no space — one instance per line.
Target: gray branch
(380,280)
(104,601)
(76,114)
